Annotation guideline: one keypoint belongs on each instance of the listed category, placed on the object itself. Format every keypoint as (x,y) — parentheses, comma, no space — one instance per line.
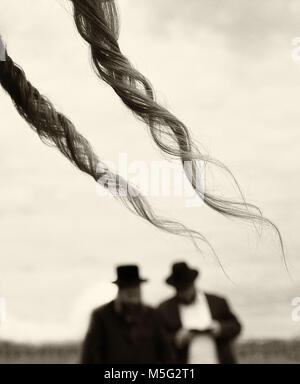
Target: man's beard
(131,310)
(187,301)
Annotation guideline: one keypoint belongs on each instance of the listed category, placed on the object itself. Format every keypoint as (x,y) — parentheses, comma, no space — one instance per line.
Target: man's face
(187,295)
(130,296)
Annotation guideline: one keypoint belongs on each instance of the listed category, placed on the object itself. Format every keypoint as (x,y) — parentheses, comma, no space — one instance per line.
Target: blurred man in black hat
(192,313)
(125,331)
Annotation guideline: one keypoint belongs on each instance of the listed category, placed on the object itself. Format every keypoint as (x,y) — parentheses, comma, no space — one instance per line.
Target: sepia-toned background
(226,69)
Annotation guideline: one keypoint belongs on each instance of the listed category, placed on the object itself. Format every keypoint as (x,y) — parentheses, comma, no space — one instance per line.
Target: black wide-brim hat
(128,276)
(182,275)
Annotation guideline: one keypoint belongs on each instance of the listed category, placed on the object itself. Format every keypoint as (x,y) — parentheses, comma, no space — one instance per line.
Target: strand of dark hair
(98,23)
(56,130)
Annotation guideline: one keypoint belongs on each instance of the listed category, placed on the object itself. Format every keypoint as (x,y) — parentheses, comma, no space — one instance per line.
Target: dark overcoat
(220,311)
(111,339)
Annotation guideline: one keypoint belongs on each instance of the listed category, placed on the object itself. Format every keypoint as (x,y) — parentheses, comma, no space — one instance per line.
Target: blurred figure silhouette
(125,331)
(200,326)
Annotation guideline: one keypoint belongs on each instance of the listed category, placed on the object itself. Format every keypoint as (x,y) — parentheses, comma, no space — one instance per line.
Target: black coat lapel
(212,306)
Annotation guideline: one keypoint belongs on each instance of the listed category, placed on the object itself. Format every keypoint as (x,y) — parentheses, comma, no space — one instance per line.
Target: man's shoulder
(167,303)
(148,310)
(107,309)
(102,310)
(211,297)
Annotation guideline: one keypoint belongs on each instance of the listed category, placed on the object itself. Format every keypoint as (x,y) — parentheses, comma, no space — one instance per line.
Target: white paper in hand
(202,350)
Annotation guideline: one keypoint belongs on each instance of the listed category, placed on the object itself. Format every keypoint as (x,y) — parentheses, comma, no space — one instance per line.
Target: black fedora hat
(182,275)
(128,276)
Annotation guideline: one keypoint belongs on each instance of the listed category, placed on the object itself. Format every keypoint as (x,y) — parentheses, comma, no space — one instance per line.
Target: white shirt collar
(196,315)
